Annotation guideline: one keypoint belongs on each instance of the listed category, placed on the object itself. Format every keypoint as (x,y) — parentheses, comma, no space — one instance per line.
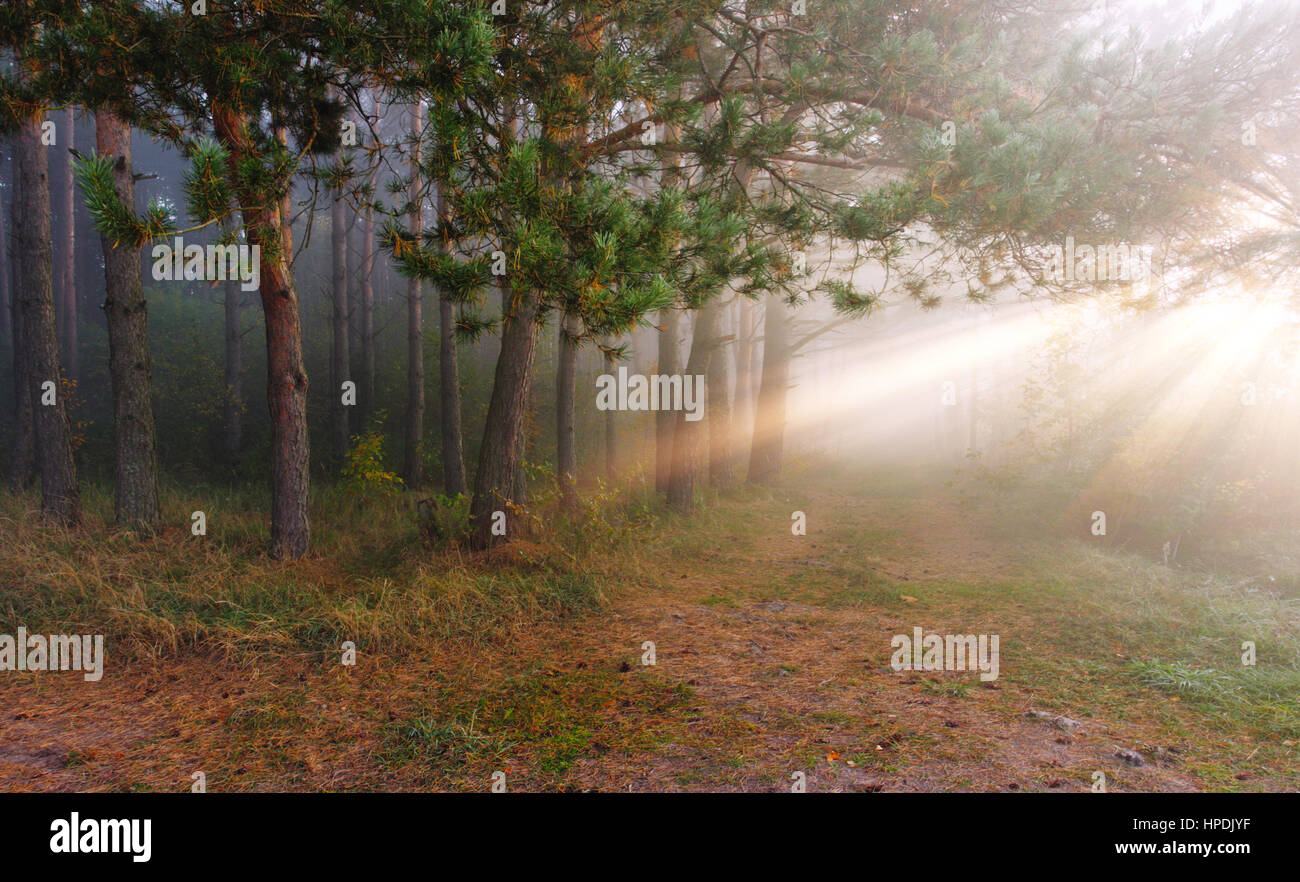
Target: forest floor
(771,658)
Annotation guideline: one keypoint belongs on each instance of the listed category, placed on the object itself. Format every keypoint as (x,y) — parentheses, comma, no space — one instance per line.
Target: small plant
(74,404)
(426,735)
(364,471)
(1178,677)
(951,689)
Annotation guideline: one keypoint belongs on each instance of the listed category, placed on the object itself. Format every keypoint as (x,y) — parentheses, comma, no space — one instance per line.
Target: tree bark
(719,377)
(6,269)
(689,436)
(340,359)
(60,495)
(495,480)
(268,227)
(22,460)
(368,289)
(453,451)
(368,315)
(66,282)
(769,418)
(232,431)
(136,498)
(519,485)
(743,405)
(611,426)
(355,230)
(665,420)
(413,470)
(566,374)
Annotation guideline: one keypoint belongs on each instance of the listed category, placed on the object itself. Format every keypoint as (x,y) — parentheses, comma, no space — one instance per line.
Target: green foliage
(112,218)
(847,299)
(207,190)
(363,472)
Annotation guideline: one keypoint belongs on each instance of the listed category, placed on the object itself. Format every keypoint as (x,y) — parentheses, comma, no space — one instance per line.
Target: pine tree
(52,439)
(340,355)
(136,472)
(258,78)
(413,450)
(453,456)
(367,272)
(65,273)
(232,415)
(574,234)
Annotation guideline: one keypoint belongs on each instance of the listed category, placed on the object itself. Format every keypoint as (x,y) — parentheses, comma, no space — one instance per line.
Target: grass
(773,648)
(370,578)
(541,720)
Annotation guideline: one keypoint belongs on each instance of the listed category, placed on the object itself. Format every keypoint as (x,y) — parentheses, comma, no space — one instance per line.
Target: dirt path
(767,666)
(811,687)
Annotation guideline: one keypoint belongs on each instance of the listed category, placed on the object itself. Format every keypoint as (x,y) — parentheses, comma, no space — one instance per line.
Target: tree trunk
(720,373)
(356,229)
(769,418)
(689,436)
(368,291)
(66,282)
(669,364)
(519,485)
(453,450)
(566,375)
(611,425)
(22,461)
(520,491)
(413,470)
(743,406)
(368,315)
(6,264)
(495,480)
(136,500)
(340,360)
(232,431)
(268,227)
(60,496)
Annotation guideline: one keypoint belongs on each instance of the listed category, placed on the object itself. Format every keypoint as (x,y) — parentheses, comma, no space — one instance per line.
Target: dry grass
(772,653)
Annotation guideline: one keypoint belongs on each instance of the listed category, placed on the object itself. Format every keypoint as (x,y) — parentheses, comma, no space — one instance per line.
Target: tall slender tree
(65,282)
(22,456)
(340,356)
(413,449)
(453,454)
(669,364)
(611,419)
(721,373)
(6,250)
(60,493)
(136,467)
(769,413)
(566,374)
(179,76)
(232,413)
(367,280)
